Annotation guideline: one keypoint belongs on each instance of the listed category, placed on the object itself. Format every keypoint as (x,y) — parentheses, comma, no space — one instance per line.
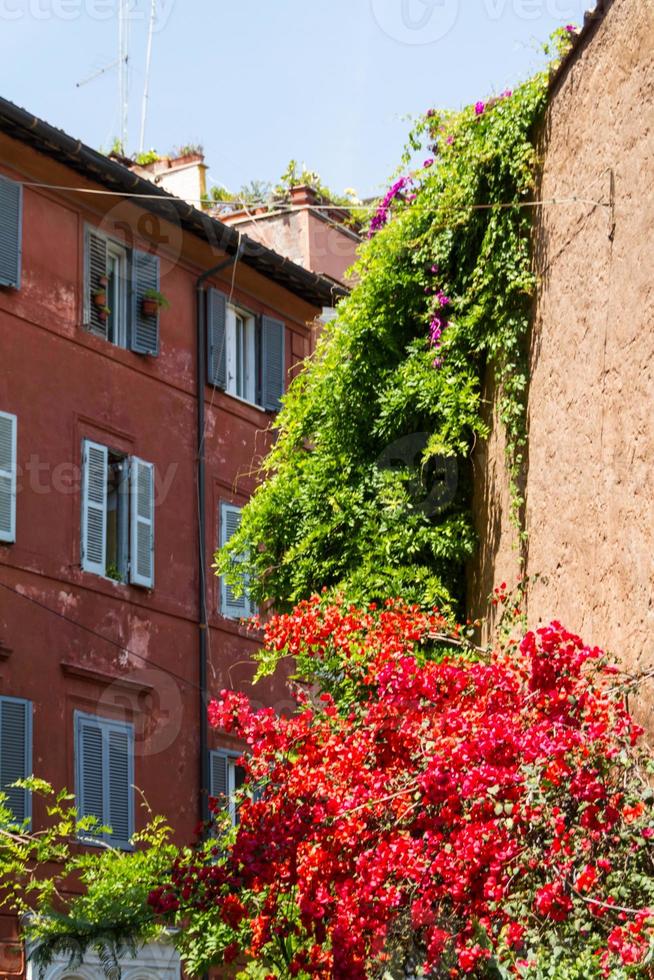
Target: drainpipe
(203,626)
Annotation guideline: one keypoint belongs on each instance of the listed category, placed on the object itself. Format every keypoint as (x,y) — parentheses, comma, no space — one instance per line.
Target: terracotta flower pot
(149,307)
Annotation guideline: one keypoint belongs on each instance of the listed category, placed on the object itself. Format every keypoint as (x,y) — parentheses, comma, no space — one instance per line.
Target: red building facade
(129,437)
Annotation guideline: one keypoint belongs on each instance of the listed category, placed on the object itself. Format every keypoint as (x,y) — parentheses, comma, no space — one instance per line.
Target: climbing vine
(444,294)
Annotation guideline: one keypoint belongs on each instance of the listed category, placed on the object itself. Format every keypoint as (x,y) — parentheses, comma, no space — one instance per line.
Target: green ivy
(328,514)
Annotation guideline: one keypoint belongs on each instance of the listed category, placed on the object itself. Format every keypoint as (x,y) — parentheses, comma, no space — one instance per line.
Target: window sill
(245,401)
(106,844)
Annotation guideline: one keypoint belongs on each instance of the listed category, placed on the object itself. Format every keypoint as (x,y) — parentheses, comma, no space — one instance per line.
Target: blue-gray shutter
(144,333)
(11,232)
(90,783)
(104,768)
(95,267)
(216,338)
(273,363)
(94,507)
(231,605)
(141,559)
(16,754)
(218,787)
(120,778)
(8,468)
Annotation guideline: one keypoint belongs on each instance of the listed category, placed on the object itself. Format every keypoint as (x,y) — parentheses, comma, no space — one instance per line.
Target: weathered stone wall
(590,478)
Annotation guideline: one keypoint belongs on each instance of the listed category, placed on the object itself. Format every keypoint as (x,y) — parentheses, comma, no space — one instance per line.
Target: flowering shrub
(448,815)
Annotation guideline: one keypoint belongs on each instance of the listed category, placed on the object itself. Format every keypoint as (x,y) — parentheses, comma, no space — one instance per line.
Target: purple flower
(430,113)
(383,211)
(449,140)
(480,108)
(434,268)
(428,163)
(438,362)
(442,299)
(571,29)
(506,94)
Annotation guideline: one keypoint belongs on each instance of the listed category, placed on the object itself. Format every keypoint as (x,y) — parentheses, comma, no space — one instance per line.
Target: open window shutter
(11,220)
(95,269)
(218,777)
(231,605)
(94,508)
(141,565)
(120,779)
(216,338)
(90,790)
(16,753)
(273,363)
(144,336)
(8,430)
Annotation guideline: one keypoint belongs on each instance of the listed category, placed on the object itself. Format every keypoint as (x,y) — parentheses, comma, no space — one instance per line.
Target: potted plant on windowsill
(100,296)
(103,313)
(152,302)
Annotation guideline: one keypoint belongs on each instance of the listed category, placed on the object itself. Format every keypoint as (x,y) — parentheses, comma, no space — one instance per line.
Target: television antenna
(122,63)
(146,84)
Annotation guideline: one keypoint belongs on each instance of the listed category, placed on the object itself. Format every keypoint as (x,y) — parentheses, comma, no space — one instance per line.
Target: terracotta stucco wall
(590,479)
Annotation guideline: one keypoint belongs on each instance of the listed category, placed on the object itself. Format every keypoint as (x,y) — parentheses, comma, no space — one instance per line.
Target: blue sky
(332,83)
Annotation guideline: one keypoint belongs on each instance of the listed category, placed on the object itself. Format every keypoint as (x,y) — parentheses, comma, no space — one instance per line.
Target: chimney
(184,175)
(303,195)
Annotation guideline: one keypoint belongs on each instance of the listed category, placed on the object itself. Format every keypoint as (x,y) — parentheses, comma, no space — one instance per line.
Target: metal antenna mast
(146,86)
(123,65)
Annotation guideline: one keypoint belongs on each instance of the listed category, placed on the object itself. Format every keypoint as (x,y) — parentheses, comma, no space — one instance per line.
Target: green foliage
(328,514)
(149,156)
(110,914)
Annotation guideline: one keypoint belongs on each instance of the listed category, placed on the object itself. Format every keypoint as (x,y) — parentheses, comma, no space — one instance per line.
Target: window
(233,606)
(16,754)
(116,280)
(104,776)
(242,360)
(8,465)
(117,294)
(117,515)
(246,354)
(226,778)
(11,222)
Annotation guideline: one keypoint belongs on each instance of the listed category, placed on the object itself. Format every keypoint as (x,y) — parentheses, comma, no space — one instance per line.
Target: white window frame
(133,516)
(248,382)
(118,253)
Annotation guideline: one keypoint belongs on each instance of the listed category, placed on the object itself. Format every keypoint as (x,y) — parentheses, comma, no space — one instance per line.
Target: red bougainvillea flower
(429,807)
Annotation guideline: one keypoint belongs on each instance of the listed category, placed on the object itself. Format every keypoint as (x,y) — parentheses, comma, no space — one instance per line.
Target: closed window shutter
(218,778)
(144,334)
(90,771)
(232,605)
(16,754)
(273,363)
(8,464)
(95,269)
(120,778)
(105,776)
(11,221)
(94,507)
(216,338)
(141,566)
